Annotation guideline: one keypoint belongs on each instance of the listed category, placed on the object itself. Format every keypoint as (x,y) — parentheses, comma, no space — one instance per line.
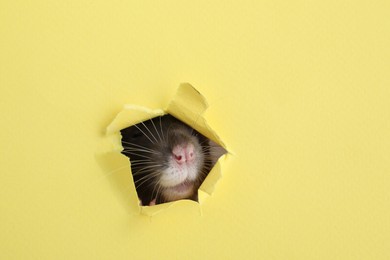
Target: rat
(169,159)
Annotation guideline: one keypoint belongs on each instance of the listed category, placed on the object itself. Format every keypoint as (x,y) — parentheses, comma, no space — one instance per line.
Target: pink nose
(183,154)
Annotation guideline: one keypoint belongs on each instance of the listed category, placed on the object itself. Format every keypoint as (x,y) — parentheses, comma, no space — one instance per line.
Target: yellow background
(298,90)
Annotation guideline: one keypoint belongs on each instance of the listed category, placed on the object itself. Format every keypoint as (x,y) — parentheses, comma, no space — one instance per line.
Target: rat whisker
(136,145)
(149,177)
(143,160)
(157,185)
(205,141)
(114,171)
(145,171)
(156,130)
(162,133)
(151,166)
(127,149)
(137,154)
(149,131)
(144,134)
(159,190)
(146,174)
(137,164)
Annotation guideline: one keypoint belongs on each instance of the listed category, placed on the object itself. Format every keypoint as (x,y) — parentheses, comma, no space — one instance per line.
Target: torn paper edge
(188,105)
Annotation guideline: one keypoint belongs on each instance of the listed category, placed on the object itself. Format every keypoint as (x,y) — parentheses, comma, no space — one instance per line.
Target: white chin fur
(176,174)
(171,194)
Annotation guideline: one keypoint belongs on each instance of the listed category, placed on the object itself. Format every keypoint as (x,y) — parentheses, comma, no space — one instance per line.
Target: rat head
(167,159)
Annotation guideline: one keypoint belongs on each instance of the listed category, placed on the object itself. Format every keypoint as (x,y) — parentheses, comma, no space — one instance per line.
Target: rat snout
(184,153)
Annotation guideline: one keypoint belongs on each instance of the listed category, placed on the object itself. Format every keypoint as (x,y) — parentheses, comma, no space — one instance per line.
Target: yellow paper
(297,90)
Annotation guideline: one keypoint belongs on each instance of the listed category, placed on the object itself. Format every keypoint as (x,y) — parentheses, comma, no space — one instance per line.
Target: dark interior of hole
(169,159)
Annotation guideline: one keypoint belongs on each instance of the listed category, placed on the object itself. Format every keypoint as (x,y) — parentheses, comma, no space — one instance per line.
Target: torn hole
(169,159)
(188,106)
